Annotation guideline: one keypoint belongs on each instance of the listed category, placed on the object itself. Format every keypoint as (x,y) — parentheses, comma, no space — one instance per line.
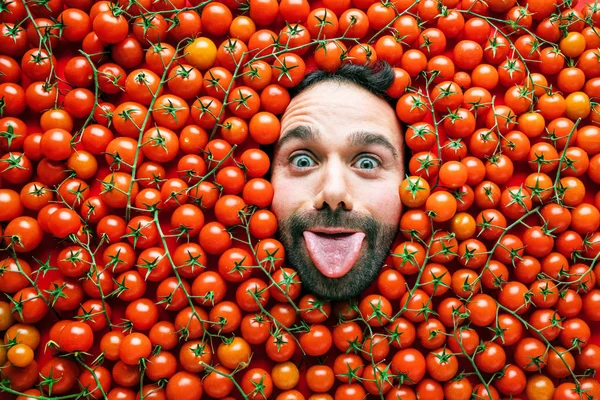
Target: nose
(334,187)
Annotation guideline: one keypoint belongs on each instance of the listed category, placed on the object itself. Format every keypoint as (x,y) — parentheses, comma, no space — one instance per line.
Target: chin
(353,284)
(378,241)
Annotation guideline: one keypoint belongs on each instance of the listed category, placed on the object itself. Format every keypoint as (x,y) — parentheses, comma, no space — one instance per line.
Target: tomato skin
(184,385)
(170,111)
(117,187)
(257,375)
(63,368)
(11,71)
(109,28)
(201,53)
(458,389)
(14,99)
(33,305)
(23,233)
(317,341)
(350,391)
(391,284)
(11,205)
(64,222)
(441,365)
(491,359)
(128,53)
(411,364)
(76,336)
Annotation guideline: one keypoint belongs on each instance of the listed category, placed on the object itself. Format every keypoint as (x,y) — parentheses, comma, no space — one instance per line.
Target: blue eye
(371,163)
(305,163)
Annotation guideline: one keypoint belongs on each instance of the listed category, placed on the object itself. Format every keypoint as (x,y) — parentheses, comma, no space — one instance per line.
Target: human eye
(368,162)
(301,160)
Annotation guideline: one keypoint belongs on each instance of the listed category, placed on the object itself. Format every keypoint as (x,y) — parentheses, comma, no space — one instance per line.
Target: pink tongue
(334,255)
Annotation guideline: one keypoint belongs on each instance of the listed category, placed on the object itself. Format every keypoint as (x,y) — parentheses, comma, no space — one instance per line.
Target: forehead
(339,108)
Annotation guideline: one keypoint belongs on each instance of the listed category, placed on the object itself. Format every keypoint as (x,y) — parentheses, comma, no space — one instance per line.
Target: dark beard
(379,238)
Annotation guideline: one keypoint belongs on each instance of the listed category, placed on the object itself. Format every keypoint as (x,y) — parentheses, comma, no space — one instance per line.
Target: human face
(337,166)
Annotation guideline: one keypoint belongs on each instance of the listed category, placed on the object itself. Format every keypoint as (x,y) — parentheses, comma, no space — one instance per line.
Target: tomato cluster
(139,257)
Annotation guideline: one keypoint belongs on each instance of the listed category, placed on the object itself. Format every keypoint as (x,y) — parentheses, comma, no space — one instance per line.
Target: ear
(405,150)
(270,150)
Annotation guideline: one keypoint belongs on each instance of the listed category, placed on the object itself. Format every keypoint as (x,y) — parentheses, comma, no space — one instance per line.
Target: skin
(329,183)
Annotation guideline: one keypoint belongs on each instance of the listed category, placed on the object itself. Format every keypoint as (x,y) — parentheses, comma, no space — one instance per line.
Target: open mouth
(335,253)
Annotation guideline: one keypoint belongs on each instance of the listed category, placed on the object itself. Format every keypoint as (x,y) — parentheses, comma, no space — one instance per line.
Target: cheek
(385,204)
(286,197)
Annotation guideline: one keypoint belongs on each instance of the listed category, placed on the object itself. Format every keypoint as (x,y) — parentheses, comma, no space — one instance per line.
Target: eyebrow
(359,138)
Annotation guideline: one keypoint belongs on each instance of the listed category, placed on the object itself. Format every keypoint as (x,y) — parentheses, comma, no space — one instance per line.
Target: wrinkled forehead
(341,106)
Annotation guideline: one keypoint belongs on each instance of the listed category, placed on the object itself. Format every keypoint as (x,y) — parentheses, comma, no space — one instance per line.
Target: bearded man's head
(336,170)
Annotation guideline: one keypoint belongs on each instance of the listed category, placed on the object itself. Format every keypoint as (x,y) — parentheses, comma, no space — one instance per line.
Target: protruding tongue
(334,255)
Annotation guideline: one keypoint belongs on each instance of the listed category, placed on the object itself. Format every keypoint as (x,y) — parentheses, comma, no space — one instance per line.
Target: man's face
(336,171)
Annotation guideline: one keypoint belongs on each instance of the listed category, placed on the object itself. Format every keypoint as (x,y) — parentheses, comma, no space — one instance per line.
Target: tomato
(537,241)
(234,353)
(491,357)
(463,225)
(286,376)
(410,365)
(11,71)
(530,354)
(128,53)
(458,389)
(391,284)
(118,189)
(28,306)
(143,85)
(76,336)
(20,355)
(513,296)
(109,27)
(23,233)
(540,387)
(160,144)
(62,369)
(64,222)
(201,53)
(257,383)
(264,128)
(228,316)
(231,53)
(443,247)
(217,383)
(482,309)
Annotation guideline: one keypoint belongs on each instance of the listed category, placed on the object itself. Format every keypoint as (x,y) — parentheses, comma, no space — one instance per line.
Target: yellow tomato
(285,375)
(6,317)
(234,353)
(201,53)
(414,191)
(578,106)
(20,355)
(23,333)
(573,44)
(2,352)
(539,387)
(463,225)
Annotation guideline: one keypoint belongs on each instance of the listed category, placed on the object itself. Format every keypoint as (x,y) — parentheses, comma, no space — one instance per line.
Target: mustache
(379,237)
(328,218)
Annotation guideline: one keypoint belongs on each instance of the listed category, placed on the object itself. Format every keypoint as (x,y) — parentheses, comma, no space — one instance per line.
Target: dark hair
(376,78)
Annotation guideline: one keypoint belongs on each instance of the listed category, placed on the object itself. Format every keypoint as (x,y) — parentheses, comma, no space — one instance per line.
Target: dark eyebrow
(363,138)
(301,132)
(358,138)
